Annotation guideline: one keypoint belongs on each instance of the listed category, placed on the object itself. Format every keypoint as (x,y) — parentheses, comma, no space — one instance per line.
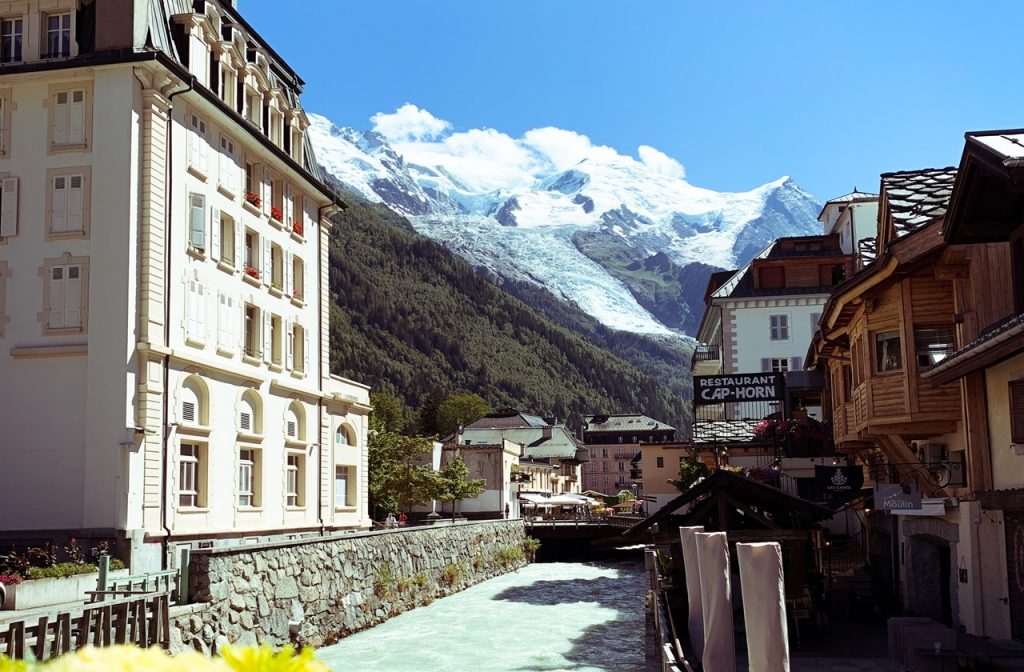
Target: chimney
(546,432)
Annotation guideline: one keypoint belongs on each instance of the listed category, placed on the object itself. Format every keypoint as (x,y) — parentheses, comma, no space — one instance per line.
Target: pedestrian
(389,522)
(506,510)
(401,519)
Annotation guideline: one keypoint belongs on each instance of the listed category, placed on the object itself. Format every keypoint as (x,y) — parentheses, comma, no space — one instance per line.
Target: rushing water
(584,617)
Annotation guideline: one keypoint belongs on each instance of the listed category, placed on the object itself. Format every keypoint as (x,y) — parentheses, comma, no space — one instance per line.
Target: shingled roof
(917,197)
(868,250)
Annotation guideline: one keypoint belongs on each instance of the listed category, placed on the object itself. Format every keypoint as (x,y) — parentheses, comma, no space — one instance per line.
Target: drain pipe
(168,199)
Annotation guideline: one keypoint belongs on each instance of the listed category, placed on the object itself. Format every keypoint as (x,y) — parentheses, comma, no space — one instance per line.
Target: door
(1015,572)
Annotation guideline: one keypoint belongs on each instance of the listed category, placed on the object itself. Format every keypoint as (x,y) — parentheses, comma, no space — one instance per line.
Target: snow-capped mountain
(629,240)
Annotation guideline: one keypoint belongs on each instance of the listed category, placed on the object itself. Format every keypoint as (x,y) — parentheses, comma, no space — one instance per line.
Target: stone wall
(337,585)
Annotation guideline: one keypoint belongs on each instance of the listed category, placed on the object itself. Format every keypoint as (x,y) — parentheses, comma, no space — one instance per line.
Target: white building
(163,286)
(853,218)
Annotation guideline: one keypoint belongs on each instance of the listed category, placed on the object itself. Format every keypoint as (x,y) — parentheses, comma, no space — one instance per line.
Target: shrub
(402,584)
(478,561)
(509,555)
(420,580)
(384,582)
(452,574)
(232,659)
(10,579)
(58,571)
(530,547)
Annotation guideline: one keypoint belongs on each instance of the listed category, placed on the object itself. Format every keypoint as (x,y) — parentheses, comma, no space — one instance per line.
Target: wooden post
(84,624)
(184,557)
(102,577)
(41,637)
(16,640)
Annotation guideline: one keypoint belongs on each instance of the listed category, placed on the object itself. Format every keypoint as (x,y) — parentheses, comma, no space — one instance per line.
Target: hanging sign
(895,497)
(738,387)
(841,484)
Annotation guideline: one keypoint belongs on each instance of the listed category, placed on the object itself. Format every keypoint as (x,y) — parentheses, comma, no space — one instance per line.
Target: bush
(58,571)
(452,574)
(530,547)
(384,581)
(509,555)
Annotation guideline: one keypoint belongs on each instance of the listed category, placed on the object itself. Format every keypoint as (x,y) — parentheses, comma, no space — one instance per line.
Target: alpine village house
(163,286)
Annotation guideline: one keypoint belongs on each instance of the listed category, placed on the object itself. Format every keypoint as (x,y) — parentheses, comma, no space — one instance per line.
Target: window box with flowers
(253,203)
(251,275)
(297,228)
(275,214)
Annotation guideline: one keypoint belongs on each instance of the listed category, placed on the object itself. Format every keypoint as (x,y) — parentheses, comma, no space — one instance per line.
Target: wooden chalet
(889,323)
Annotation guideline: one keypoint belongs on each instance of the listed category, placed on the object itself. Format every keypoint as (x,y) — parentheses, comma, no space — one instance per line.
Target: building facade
(163,286)
(614,440)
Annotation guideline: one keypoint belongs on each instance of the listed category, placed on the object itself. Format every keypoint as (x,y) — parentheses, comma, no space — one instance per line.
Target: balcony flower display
(252,198)
(275,213)
(771,428)
(252,272)
(796,429)
(297,227)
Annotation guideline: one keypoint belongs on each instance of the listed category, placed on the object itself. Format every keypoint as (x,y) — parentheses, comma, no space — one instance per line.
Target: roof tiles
(917,197)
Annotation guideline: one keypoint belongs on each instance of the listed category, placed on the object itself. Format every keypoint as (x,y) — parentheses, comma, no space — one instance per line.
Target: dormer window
(10,40)
(58,36)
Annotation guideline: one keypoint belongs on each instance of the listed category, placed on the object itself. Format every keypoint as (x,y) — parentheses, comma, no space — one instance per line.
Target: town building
(654,468)
(613,440)
(163,286)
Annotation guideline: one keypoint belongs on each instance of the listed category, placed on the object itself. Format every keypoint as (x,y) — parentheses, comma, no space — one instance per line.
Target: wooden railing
(140,620)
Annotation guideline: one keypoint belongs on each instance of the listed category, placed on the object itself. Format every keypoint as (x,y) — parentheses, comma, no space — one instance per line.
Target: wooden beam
(753,514)
(979,453)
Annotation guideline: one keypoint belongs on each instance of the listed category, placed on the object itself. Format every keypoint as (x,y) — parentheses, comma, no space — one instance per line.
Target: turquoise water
(584,617)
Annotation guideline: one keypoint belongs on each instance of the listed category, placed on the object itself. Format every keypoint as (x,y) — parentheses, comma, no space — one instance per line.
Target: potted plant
(275,213)
(252,272)
(297,227)
(253,199)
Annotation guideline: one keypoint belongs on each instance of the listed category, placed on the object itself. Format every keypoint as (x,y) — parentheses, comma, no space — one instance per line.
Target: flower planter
(32,593)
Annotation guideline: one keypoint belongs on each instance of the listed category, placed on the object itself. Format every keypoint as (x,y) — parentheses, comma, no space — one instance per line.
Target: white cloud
(564,149)
(660,162)
(483,157)
(409,122)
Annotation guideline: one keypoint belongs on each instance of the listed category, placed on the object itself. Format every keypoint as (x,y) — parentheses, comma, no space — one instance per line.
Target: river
(584,617)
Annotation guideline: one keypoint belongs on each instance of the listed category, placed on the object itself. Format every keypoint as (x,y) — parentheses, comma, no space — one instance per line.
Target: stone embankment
(315,591)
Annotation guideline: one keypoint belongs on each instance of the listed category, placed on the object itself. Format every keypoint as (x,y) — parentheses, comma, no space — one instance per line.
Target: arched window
(250,413)
(295,422)
(344,436)
(194,407)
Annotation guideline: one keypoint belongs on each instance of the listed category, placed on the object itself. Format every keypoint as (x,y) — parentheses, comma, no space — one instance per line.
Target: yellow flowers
(132,659)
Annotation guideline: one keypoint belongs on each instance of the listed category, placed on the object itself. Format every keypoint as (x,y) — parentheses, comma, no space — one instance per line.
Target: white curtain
(764,606)
(716,600)
(691,565)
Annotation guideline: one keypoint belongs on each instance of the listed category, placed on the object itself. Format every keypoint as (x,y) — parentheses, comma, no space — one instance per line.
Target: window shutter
(267,188)
(305,350)
(267,335)
(215,233)
(307,296)
(3,134)
(223,328)
(203,146)
(223,159)
(200,310)
(197,221)
(239,245)
(288,206)
(9,208)
(796,364)
(288,273)
(784,327)
(290,338)
(194,156)
(57,289)
(76,118)
(61,120)
(766,364)
(193,308)
(76,203)
(1017,411)
(59,204)
(73,297)
(267,261)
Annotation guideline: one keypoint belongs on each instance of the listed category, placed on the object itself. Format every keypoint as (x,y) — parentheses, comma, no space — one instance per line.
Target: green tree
(388,412)
(400,474)
(456,484)
(460,409)
(690,470)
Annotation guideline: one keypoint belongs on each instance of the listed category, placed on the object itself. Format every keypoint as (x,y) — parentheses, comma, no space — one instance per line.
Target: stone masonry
(335,586)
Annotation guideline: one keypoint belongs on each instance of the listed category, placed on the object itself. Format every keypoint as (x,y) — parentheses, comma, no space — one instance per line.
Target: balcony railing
(707,353)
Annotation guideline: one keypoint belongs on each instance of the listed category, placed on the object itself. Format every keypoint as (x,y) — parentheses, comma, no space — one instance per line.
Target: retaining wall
(334,586)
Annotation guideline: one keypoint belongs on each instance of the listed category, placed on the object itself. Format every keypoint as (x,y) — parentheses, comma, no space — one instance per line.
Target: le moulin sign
(738,387)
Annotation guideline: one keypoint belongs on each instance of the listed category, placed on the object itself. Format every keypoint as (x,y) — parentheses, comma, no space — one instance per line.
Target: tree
(460,410)
(388,412)
(691,470)
(457,485)
(400,473)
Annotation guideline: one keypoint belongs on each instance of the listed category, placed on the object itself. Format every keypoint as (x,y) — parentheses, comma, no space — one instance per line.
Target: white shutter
(307,296)
(76,118)
(73,297)
(766,364)
(59,204)
(215,233)
(197,221)
(76,203)
(796,364)
(288,206)
(267,334)
(266,190)
(57,291)
(288,273)
(203,146)
(289,336)
(223,320)
(193,308)
(61,120)
(195,139)
(201,312)
(239,259)
(267,261)
(9,208)
(305,351)
(223,157)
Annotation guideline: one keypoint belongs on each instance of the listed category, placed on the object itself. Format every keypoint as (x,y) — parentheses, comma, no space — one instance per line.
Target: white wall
(753,330)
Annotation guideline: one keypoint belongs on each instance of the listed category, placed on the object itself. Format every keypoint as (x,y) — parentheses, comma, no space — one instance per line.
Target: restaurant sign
(841,484)
(896,497)
(738,387)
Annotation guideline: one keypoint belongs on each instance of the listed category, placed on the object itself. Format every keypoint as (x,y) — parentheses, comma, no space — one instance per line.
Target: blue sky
(739,92)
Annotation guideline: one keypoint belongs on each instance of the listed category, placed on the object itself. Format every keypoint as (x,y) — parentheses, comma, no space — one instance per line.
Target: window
(298,278)
(227,321)
(193,403)
(1017,411)
(58,36)
(252,254)
(68,202)
(228,165)
(253,106)
(197,143)
(779,364)
(251,338)
(275,127)
(622,466)
(344,486)
(197,222)
(779,327)
(250,414)
(65,297)
(9,207)
(343,437)
(887,351)
(191,475)
(933,344)
(659,462)
(68,118)
(226,238)
(250,180)
(247,477)
(195,325)
(276,267)
(276,341)
(298,349)
(294,479)
(606,480)
(10,40)
(294,423)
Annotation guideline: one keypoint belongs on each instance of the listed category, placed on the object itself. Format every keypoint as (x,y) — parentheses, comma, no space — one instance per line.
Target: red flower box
(275,213)
(253,198)
(297,226)
(252,272)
